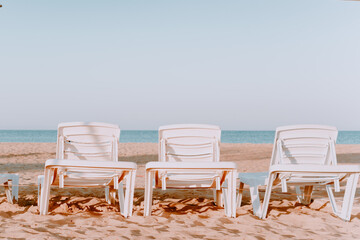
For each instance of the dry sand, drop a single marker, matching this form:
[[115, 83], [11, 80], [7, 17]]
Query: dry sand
[[184, 214]]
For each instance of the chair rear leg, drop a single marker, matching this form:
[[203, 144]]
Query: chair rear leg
[[239, 197], [307, 194], [8, 192], [304, 197], [107, 194], [218, 197], [112, 195], [40, 183], [15, 188]]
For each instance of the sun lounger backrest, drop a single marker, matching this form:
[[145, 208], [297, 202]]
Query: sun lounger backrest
[[88, 141], [305, 144], [189, 142]]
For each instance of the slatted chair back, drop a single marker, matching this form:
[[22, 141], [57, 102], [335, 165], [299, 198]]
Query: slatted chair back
[[189, 142], [305, 144], [88, 141]]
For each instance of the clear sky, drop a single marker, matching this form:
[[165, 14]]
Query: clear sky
[[243, 65]]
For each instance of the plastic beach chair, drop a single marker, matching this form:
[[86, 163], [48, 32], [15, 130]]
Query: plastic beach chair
[[303, 155], [189, 158], [12, 193], [87, 156]]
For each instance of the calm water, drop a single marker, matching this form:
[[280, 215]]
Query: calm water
[[345, 137]]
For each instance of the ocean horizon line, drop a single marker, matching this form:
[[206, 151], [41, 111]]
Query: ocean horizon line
[[227, 136]]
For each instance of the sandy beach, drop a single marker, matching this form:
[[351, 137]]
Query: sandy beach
[[184, 214]]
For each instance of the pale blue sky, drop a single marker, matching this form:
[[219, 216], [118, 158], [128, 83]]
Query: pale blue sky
[[246, 65]]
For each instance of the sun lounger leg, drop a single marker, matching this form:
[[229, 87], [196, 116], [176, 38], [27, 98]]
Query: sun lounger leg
[[218, 197], [45, 193], [299, 194], [332, 199], [107, 194], [255, 200], [349, 195], [267, 196], [15, 187], [127, 194], [225, 194], [229, 189], [233, 192], [230, 210], [151, 181], [121, 198], [214, 195], [239, 197], [112, 195], [148, 193], [132, 188], [40, 183], [227, 205], [307, 194], [8, 192]]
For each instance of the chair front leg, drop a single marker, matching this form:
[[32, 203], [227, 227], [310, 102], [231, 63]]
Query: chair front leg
[[233, 193], [121, 198], [349, 196], [132, 192], [230, 206], [255, 200], [332, 200], [45, 193], [148, 192], [15, 187], [348, 199], [8, 192], [127, 194], [267, 195]]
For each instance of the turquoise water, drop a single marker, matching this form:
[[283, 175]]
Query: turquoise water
[[345, 137]]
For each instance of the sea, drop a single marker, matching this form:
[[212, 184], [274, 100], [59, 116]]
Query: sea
[[344, 137]]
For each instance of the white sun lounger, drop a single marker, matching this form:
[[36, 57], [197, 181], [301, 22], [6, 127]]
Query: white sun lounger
[[12, 194], [87, 156], [303, 155], [189, 158]]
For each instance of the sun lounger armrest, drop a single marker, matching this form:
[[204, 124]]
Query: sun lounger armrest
[[191, 165], [51, 163], [305, 168]]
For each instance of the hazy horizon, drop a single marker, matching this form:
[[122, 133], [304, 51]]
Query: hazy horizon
[[242, 65]]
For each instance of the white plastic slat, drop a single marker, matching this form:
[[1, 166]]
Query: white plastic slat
[[198, 158], [87, 148], [189, 150]]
